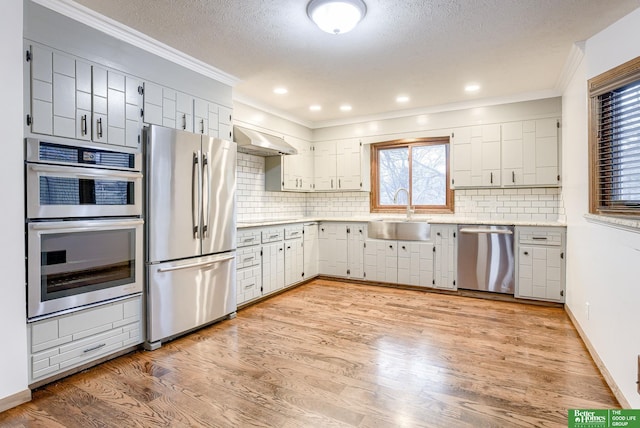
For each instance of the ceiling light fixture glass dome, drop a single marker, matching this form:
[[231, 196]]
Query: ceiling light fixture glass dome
[[336, 16]]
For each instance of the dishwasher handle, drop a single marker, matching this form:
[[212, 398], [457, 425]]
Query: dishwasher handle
[[477, 230]]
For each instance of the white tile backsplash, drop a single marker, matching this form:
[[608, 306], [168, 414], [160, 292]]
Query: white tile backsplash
[[256, 204]]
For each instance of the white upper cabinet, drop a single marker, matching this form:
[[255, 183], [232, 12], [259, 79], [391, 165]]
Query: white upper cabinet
[[521, 153], [476, 156], [341, 166], [530, 153], [291, 172], [74, 99]]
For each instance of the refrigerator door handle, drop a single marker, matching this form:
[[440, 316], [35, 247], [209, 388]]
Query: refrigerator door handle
[[219, 259], [195, 195], [207, 194]]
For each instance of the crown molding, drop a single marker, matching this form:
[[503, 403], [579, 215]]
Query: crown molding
[[133, 37], [571, 64], [251, 102]]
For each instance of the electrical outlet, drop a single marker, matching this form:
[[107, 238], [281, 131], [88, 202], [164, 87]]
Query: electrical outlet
[[587, 309]]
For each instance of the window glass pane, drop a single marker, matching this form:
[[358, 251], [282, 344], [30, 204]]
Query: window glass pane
[[625, 136], [393, 170], [429, 175]]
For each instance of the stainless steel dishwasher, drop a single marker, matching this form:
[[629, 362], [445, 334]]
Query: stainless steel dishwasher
[[485, 258]]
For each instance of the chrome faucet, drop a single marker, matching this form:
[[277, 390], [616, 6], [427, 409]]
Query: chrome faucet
[[395, 201]]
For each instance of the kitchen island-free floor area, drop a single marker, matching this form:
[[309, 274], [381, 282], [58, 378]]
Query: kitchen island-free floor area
[[332, 354]]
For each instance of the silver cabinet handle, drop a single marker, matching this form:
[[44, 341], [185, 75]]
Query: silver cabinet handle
[[513, 176], [220, 259], [195, 196], [94, 348], [99, 127], [247, 287], [248, 239], [247, 259], [83, 125], [207, 214], [539, 238], [480, 230], [491, 177], [332, 183], [88, 173], [184, 121], [202, 126], [339, 183]]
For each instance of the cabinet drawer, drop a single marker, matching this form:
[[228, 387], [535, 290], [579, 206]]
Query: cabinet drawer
[[246, 257], [249, 284], [540, 237], [272, 234], [292, 232], [248, 237], [71, 340]]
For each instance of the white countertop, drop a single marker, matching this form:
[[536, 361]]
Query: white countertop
[[433, 219]]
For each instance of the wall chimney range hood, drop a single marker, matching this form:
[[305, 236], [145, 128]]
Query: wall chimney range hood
[[261, 144]]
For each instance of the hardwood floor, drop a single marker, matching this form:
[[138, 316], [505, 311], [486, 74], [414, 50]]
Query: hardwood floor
[[331, 354]]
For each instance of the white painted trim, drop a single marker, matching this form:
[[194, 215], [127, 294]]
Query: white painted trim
[[570, 66], [14, 400], [126, 34], [617, 392]]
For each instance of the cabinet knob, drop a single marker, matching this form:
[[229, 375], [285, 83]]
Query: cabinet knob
[[404, 248], [526, 253], [391, 246]]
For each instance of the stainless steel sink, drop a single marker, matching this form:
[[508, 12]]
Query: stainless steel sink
[[399, 230]]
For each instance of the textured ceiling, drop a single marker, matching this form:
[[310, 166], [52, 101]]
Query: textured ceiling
[[426, 49]]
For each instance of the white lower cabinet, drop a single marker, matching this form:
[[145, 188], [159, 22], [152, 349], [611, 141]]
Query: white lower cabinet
[[415, 263], [444, 273], [293, 254], [311, 250], [273, 269], [540, 263], [341, 249], [399, 262], [62, 343], [249, 266]]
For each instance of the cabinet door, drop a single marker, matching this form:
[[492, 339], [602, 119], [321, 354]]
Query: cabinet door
[[213, 120], [462, 157], [248, 284], [83, 100], [273, 267], [356, 237], [293, 261], [41, 90], [348, 162], [325, 166], [64, 96], [153, 103], [99, 91], [415, 263], [133, 116], [381, 260], [490, 156], [333, 247], [445, 256], [546, 156], [311, 250], [540, 273], [184, 112], [116, 108], [513, 154], [201, 116]]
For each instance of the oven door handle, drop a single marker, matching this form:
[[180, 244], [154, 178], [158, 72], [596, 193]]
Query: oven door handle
[[85, 173], [84, 225], [219, 259]]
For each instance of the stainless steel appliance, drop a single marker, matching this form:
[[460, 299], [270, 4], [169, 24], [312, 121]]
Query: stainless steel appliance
[[191, 231], [485, 258], [67, 180], [84, 227]]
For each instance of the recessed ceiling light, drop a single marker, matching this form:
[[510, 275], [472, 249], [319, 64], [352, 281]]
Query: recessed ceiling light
[[315, 107], [345, 107], [472, 87], [402, 99], [280, 90]]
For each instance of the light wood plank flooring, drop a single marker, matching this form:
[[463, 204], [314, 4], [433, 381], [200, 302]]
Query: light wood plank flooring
[[331, 354]]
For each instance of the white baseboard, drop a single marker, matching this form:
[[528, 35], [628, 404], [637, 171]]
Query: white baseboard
[[14, 400], [596, 358]]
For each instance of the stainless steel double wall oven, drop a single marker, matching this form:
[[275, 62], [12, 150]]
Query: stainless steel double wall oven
[[84, 225]]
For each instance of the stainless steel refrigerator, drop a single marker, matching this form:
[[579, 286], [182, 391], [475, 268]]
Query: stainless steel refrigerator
[[190, 231]]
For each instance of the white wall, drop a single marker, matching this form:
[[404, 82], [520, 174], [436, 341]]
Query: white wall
[[602, 262], [13, 358]]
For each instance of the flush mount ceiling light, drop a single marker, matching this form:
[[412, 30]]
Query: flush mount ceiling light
[[336, 16], [280, 90], [472, 87]]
